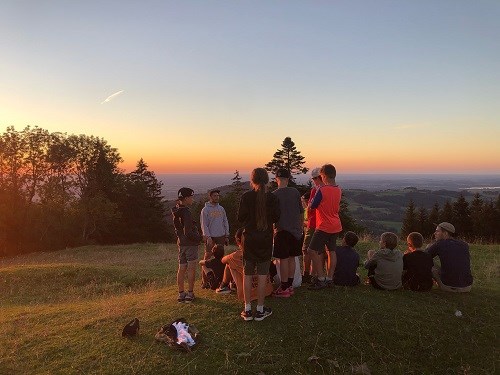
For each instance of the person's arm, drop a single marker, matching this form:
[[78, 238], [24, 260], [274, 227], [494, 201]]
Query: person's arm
[[275, 208], [316, 200], [432, 249], [226, 226], [243, 212], [372, 260], [204, 224]]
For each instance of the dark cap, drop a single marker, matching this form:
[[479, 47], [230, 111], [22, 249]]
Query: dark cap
[[282, 172], [185, 192]]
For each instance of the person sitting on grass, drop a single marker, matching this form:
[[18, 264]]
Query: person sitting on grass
[[347, 262], [454, 275], [385, 266], [213, 268], [234, 272], [417, 265]]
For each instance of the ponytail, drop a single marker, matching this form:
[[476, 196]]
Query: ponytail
[[259, 179]]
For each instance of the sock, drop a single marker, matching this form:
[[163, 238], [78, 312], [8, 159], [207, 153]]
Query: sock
[[290, 281], [260, 308], [328, 278], [305, 273], [248, 307]]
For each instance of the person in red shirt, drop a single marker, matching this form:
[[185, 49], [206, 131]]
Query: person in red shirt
[[326, 202]]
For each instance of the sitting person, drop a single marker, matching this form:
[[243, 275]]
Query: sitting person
[[417, 265], [454, 275], [213, 268], [385, 265], [347, 262], [234, 263]]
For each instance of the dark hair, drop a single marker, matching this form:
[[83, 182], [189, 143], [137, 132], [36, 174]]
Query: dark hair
[[329, 171], [351, 239], [390, 239], [238, 235], [259, 180], [218, 251], [416, 240]]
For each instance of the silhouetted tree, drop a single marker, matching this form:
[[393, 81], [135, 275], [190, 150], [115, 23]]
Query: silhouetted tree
[[447, 213], [423, 222], [410, 221], [461, 216], [287, 157]]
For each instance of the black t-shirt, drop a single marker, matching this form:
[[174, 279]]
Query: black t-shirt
[[417, 273], [218, 267]]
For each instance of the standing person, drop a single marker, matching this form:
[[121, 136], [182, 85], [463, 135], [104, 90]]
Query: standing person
[[417, 265], [310, 225], [288, 231], [188, 239], [454, 275], [214, 224], [385, 265], [326, 201], [214, 227], [257, 212]]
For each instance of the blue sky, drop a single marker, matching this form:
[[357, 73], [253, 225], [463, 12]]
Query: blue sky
[[214, 86]]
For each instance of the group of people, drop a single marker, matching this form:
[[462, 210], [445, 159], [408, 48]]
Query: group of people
[[273, 226]]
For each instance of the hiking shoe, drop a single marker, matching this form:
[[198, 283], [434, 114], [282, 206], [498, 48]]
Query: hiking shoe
[[247, 315], [224, 289], [189, 297], [282, 293], [318, 285], [264, 314], [182, 297], [329, 283]]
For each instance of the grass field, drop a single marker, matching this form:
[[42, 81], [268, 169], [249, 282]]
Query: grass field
[[63, 312]]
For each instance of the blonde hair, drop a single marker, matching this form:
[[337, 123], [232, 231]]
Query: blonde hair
[[259, 180]]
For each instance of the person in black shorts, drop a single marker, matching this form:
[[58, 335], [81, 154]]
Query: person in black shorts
[[288, 231]]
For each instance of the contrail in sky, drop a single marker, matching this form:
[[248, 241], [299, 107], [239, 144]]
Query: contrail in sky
[[112, 96]]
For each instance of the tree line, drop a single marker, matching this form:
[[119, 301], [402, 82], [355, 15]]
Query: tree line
[[59, 190], [477, 221]]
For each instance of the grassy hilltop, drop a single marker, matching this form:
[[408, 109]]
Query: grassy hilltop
[[62, 313]]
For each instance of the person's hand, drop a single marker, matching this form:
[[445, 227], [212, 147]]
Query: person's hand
[[226, 241]]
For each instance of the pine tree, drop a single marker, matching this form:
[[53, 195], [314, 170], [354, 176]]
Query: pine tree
[[433, 219], [461, 216], [477, 216], [287, 157], [447, 213], [410, 222], [348, 222], [423, 222], [237, 184]]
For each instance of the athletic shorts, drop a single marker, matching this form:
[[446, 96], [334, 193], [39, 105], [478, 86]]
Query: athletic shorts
[[250, 266], [286, 245], [307, 240], [188, 254], [321, 239]]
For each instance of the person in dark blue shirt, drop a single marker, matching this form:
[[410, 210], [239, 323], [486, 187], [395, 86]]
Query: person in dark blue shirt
[[454, 275], [347, 262]]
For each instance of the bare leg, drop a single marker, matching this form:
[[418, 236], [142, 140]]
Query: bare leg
[[318, 262], [226, 277], [291, 267], [191, 272], [332, 263], [284, 270], [247, 288], [181, 273], [306, 259], [261, 289]]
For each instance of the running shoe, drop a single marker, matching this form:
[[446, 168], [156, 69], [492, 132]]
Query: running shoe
[[182, 297], [189, 297], [247, 315], [264, 314], [223, 289], [282, 293]]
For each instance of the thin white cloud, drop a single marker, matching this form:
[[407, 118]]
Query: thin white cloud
[[112, 96]]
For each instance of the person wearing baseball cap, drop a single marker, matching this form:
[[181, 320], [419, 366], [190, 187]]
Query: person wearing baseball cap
[[454, 275], [188, 239]]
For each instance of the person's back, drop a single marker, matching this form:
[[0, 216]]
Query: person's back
[[386, 264], [347, 264], [455, 261], [347, 261], [417, 268]]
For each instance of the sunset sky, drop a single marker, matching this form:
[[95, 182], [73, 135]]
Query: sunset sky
[[215, 86]]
